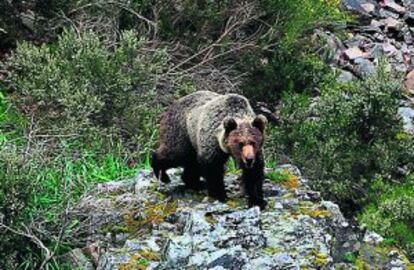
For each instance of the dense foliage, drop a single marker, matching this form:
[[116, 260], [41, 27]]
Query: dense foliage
[[78, 84], [350, 142], [348, 136], [392, 212]]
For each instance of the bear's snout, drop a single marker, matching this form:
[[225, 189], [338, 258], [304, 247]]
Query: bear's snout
[[248, 156]]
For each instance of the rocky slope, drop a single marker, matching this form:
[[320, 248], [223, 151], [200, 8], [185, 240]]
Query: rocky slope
[[382, 28], [140, 224]]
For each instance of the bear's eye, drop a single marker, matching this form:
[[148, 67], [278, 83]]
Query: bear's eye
[[241, 145]]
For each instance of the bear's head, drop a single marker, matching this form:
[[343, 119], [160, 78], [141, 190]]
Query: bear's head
[[244, 139]]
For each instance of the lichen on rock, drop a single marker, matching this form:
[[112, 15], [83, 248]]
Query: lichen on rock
[[142, 224]]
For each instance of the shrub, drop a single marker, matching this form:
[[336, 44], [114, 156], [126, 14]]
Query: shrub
[[392, 213], [79, 112], [348, 137], [79, 84], [288, 60]]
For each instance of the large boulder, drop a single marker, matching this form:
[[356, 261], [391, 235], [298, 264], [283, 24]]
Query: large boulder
[[141, 224]]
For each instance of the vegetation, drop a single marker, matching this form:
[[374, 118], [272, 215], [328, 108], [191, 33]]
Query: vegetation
[[349, 141], [391, 213], [85, 84]]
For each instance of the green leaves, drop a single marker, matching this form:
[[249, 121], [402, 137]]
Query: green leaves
[[392, 214], [347, 137]]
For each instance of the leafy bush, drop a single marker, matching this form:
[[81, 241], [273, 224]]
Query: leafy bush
[[392, 213], [348, 137], [78, 83], [288, 60], [78, 113]]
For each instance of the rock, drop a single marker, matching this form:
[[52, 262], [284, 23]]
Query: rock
[[354, 6], [364, 67], [335, 212], [376, 51], [388, 14], [77, 259], [408, 38], [177, 251], [166, 227], [373, 238], [409, 19], [353, 53], [112, 261], [280, 261], [409, 82], [28, 20], [407, 115], [345, 76], [392, 24], [377, 24], [143, 181], [390, 4], [368, 7], [389, 49]]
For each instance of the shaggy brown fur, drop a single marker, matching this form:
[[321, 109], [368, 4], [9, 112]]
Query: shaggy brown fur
[[200, 131]]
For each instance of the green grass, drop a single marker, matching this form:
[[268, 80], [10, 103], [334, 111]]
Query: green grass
[[232, 166], [40, 185], [77, 176], [278, 176]]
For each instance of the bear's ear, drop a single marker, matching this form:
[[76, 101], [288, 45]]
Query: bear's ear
[[229, 124], [260, 122]]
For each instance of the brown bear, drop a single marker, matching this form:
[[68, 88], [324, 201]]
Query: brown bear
[[200, 131]]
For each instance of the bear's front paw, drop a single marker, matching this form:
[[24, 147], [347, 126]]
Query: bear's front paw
[[196, 186], [258, 202], [165, 178], [221, 197]]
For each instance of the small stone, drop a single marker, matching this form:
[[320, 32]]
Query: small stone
[[409, 82], [142, 182], [373, 238], [345, 224], [407, 115], [364, 66], [393, 254], [376, 23], [133, 245], [379, 37], [120, 238], [376, 51], [178, 250], [28, 19], [368, 7], [390, 4], [389, 49], [353, 6], [334, 210], [384, 13], [314, 195], [353, 53], [391, 23], [278, 205], [408, 38], [345, 76]]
